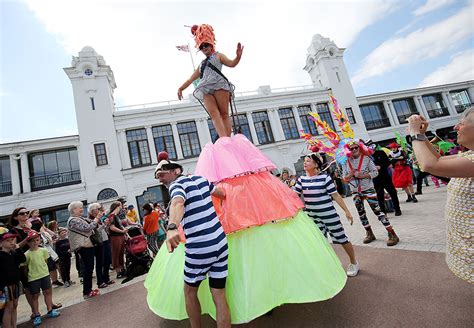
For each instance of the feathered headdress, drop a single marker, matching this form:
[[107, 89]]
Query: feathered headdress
[[203, 34], [339, 148]]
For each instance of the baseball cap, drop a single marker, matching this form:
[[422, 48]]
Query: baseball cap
[[6, 234]]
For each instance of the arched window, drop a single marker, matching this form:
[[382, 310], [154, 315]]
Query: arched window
[[107, 193]]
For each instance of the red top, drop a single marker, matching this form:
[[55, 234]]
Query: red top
[[151, 223]]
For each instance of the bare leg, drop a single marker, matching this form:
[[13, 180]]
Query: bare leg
[[410, 188], [407, 191], [29, 299], [34, 304], [222, 98], [222, 309], [193, 307], [8, 315], [14, 313], [48, 298], [211, 106], [350, 252], [53, 275]]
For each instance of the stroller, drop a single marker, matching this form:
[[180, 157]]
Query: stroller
[[137, 257]]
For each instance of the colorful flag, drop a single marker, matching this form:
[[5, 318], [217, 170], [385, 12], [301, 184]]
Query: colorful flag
[[184, 48]]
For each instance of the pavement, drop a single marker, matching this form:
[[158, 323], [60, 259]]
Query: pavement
[[405, 285]]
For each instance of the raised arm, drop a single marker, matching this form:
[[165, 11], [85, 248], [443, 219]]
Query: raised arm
[[429, 161], [186, 84], [232, 63]]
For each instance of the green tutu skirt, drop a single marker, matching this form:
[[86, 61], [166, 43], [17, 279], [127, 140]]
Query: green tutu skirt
[[282, 262]]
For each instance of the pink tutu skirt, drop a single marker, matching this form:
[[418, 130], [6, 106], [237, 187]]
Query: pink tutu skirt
[[231, 157], [253, 200]]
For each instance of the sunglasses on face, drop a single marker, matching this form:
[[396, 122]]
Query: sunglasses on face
[[354, 148], [204, 46], [23, 213]]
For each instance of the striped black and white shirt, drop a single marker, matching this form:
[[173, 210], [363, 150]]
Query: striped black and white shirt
[[317, 192], [202, 228]]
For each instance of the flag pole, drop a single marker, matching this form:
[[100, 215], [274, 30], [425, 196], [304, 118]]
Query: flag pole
[[192, 60]]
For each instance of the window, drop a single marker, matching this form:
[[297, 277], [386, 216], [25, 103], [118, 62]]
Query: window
[[5, 177], [100, 154], [288, 123], [404, 109], [435, 105], [244, 125], [308, 125], [350, 115], [92, 103], [164, 140], [374, 116], [189, 139], [54, 168], [212, 130], [461, 100], [107, 193], [138, 147], [325, 114], [263, 127]]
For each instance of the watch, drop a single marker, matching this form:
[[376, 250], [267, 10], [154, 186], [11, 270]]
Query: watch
[[172, 226], [418, 137]]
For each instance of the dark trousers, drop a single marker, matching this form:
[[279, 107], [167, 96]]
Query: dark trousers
[[380, 186], [107, 260], [65, 266], [79, 265], [99, 263], [87, 257], [421, 175]]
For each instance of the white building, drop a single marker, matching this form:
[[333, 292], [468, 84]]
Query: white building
[[115, 153]]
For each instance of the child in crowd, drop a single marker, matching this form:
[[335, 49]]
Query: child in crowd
[[10, 257], [38, 277], [132, 215], [318, 192], [64, 253]]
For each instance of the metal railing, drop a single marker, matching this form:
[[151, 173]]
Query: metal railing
[[55, 180], [403, 118], [5, 188], [377, 124], [438, 112], [462, 108]]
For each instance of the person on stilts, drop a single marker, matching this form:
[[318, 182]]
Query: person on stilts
[[213, 91]]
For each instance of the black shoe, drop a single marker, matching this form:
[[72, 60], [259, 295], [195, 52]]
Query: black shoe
[[409, 199], [418, 193], [57, 283], [398, 213], [414, 199]]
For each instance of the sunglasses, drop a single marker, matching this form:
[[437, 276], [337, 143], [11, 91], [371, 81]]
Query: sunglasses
[[353, 148], [204, 46], [23, 213]]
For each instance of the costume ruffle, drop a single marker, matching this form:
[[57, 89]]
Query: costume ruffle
[[402, 176], [283, 262], [253, 200], [230, 157]]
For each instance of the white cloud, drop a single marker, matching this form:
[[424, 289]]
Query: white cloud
[[424, 43], [461, 68], [432, 5], [138, 39]]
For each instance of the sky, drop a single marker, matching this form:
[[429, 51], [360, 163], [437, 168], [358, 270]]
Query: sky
[[390, 45]]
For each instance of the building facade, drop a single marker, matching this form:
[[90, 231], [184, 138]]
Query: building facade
[[116, 150]]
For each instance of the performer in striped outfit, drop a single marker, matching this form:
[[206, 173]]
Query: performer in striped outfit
[[318, 192], [358, 173], [206, 248]]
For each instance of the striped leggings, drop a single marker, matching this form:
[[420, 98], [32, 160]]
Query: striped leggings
[[370, 196], [333, 226]]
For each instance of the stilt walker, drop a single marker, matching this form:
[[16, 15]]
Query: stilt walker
[[275, 255]]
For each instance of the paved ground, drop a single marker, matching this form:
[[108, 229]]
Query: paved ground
[[396, 287]]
